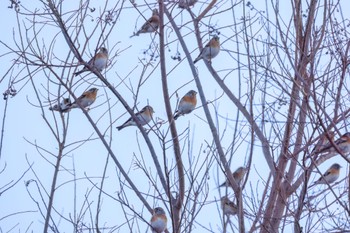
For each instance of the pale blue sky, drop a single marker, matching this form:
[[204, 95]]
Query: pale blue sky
[[24, 122]]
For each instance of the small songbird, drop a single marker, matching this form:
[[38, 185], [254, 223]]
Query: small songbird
[[187, 103], [86, 99], [158, 220], [143, 117], [228, 207], [343, 144], [64, 106], [151, 24], [186, 3], [330, 175], [210, 50], [99, 61], [237, 175], [323, 141]]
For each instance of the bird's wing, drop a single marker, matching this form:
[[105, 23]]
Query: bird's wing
[[328, 172], [81, 97]]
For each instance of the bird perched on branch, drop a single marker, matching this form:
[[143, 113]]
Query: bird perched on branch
[[98, 62], [158, 220], [237, 175], [187, 103], [151, 25], [64, 106], [143, 117], [86, 99], [210, 50], [331, 175], [228, 207], [343, 144]]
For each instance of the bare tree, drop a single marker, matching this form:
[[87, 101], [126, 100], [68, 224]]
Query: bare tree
[[269, 103]]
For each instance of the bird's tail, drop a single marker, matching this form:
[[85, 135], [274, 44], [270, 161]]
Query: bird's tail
[[80, 71], [197, 59], [319, 181], [221, 185], [135, 34], [120, 127], [77, 73], [324, 148], [54, 108], [176, 115]]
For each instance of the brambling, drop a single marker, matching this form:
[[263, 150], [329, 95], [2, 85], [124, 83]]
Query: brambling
[[151, 24], [228, 207], [186, 3], [64, 106], [86, 99], [237, 175], [330, 175], [99, 61], [343, 144], [158, 220], [143, 117], [187, 103], [210, 50], [323, 141]]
